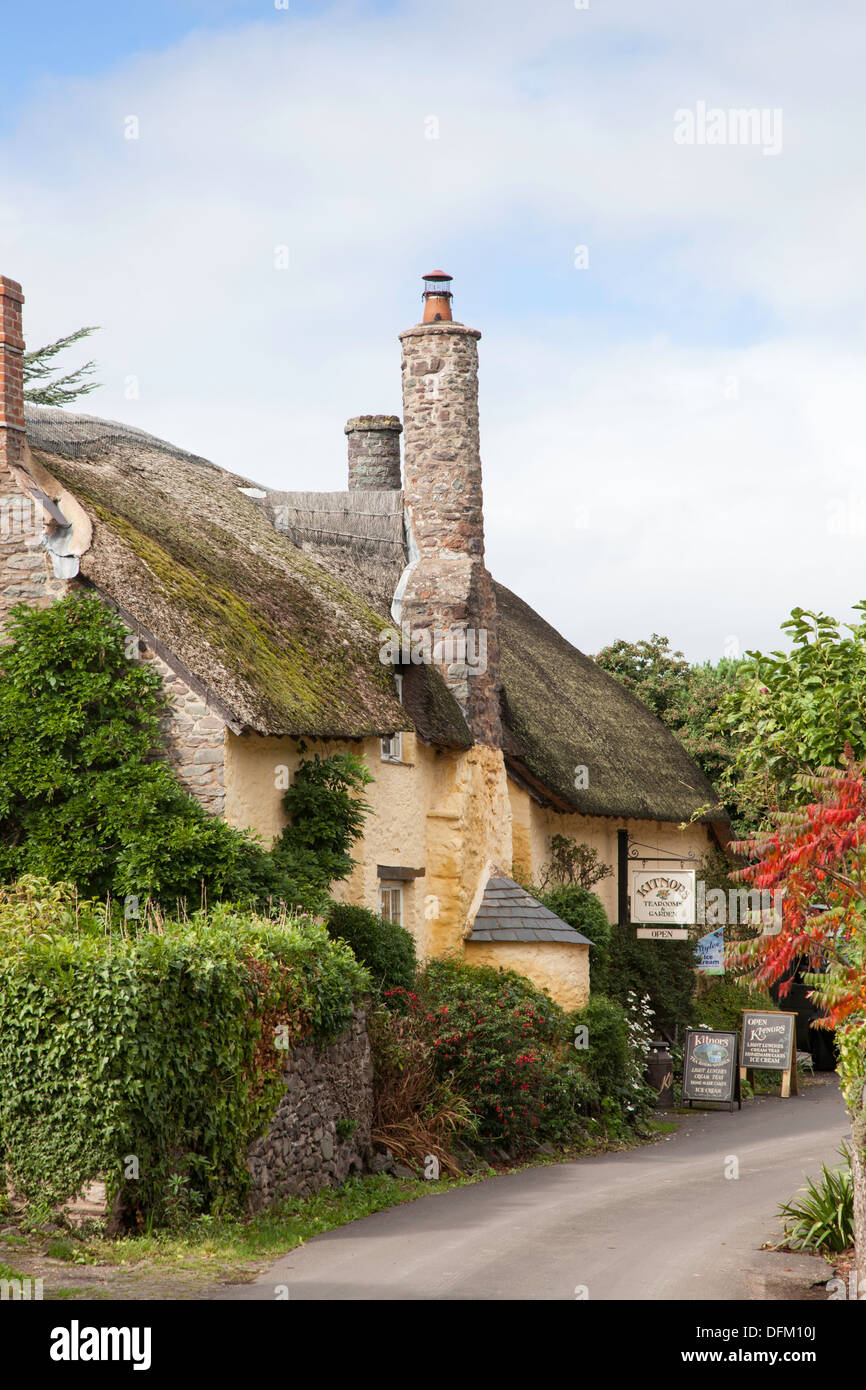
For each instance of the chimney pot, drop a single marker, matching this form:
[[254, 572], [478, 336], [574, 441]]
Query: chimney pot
[[437, 297]]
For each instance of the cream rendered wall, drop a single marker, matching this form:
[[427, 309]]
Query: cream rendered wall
[[456, 815], [446, 812], [534, 825], [560, 969]]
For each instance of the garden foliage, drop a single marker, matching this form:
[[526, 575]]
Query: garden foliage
[[87, 796], [386, 949], [152, 1058]]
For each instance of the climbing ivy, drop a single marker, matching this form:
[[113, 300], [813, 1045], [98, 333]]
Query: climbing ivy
[[87, 795]]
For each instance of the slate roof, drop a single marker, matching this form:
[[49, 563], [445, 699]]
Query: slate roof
[[509, 913]]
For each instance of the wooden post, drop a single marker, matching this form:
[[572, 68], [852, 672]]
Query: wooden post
[[622, 877]]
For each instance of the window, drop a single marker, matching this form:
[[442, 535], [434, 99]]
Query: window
[[391, 903], [392, 749]]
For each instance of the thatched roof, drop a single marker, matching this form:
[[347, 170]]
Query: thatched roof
[[509, 913], [276, 602], [358, 533], [281, 645], [561, 712]]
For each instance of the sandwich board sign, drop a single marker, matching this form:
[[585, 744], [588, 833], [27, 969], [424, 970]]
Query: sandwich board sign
[[663, 903], [769, 1043], [710, 1071]]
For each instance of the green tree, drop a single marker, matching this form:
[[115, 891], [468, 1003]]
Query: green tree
[[795, 711], [50, 389], [687, 699]]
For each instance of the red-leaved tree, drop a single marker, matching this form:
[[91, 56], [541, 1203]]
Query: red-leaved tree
[[817, 856]]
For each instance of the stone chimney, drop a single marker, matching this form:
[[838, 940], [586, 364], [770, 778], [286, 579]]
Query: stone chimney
[[447, 590], [374, 452], [11, 375]]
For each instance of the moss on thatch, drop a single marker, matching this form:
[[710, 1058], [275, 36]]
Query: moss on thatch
[[281, 643]]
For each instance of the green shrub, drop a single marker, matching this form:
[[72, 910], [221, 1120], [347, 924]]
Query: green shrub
[[387, 950], [662, 970], [582, 910], [326, 816], [152, 1059], [721, 1001], [87, 796], [823, 1219], [606, 1055], [615, 1056], [504, 1045]]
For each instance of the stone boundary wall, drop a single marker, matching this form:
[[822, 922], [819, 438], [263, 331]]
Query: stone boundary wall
[[303, 1151]]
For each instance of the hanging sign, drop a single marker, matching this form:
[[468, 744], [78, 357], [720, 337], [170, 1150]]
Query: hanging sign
[[710, 953], [663, 898], [710, 1069]]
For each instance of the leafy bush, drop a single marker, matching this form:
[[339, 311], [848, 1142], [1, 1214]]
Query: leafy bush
[[327, 816], [582, 910], [387, 950], [86, 793], [822, 1220], [605, 1057], [152, 1059], [573, 863], [504, 1045], [664, 971], [416, 1113], [616, 1055]]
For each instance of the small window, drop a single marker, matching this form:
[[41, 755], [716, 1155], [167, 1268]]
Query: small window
[[391, 904], [392, 749], [398, 681]]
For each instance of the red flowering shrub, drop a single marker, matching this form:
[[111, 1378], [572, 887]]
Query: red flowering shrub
[[504, 1044]]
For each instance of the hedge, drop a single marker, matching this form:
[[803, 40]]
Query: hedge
[[387, 950], [156, 1052]]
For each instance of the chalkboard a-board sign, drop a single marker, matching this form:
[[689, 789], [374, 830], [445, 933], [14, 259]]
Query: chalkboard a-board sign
[[769, 1043], [710, 1070]]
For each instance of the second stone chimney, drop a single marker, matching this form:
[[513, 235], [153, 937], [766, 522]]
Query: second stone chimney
[[374, 452]]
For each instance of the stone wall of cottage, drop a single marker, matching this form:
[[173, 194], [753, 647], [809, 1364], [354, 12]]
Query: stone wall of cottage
[[320, 1133], [194, 737], [26, 575]]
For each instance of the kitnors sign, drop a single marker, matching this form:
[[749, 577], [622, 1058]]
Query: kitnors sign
[[661, 899]]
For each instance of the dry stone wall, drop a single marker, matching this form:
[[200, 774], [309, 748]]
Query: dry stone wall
[[320, 1133]]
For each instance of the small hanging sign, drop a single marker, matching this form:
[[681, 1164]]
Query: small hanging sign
[[710, 953]]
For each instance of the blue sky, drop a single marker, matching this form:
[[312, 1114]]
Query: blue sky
[[671, 434]]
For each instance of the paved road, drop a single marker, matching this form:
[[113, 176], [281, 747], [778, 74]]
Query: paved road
[[657, 1222]]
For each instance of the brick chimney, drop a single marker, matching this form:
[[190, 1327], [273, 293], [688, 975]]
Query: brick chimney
[[11, 375], [447, 588], [374, 452]]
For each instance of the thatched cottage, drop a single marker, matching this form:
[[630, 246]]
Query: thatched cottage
[[363, 619]]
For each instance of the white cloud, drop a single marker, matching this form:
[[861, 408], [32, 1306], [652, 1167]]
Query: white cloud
[[707, 513]]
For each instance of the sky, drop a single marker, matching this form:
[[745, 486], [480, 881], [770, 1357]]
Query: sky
[[244, 195]]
